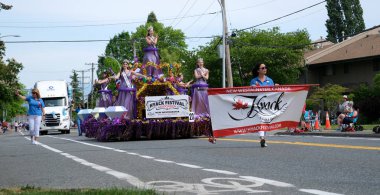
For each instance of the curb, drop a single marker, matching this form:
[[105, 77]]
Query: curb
[[332, 134]]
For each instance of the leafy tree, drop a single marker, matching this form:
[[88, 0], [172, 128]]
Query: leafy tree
[[9, 83], [367, 98], [345, 16], [331, 95], [171, 42], [151, 18], [353, 14], [282, 52], [5, 7], [120, 47]]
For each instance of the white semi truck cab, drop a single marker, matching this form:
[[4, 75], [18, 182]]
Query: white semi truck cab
[[55, 95]]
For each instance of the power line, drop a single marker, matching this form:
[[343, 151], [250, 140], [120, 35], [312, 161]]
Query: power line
[[212, 3], [85, 41], [179, 13], [105, 24], [184, 15], [281, 17], [199, 32], [252, 6], [293, 19]]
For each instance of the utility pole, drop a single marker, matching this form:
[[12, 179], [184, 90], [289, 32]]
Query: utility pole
[[83, 77], [226, 47], [92, 78]]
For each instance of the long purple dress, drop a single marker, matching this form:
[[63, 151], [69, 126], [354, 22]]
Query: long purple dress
[[199, 103], [151, 55], [127, 94], [105, 98]]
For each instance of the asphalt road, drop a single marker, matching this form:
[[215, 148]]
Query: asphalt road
[[234, 165]]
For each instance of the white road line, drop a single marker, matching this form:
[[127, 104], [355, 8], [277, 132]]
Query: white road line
[[220, 171], [120, 175], [164, 161], [135, 181], [318, 192], [117, 150], [268, 181], [147, 157], [189, 165]]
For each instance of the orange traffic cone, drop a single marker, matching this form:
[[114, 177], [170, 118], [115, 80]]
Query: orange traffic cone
[[328, 126], [316, 125]]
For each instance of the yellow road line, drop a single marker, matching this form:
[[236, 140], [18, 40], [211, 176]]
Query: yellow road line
[[305, 144]]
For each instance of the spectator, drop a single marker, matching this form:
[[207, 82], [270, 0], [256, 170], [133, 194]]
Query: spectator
[[4, 126], [79, 107], [36, 113], [15, 125]]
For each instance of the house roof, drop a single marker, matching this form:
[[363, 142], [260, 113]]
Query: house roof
[[365, 44]]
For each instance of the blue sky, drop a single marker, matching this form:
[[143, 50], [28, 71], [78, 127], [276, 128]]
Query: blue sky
[[42, 20]]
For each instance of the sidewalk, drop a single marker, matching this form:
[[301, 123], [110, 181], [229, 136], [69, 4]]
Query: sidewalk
[[333, 133]]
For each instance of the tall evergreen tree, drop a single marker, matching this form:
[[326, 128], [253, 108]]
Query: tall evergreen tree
[[152, 18], [345, 19], [77, 93], [353, 14], [335, 24]]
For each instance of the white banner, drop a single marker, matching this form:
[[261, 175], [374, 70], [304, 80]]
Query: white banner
[[167, 106], [251, 109]]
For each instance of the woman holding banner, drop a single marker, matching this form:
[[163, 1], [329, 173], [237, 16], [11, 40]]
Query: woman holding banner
[[260, 71]]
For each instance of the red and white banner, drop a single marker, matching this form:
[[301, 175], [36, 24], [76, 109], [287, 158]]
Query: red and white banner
[[243, 110]]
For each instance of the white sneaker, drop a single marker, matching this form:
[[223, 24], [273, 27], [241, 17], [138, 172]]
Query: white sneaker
[[33, 142]]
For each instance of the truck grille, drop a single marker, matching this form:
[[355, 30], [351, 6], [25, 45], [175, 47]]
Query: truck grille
[[50, 121]]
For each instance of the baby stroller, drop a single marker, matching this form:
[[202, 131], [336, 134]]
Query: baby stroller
[[308, 121], [350, 126]]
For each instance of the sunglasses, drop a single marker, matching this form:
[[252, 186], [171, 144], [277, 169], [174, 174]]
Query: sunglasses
[[263, 68], [34, 93]]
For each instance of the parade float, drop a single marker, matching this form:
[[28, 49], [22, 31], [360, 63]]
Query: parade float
[[162, 110], [151, 101]]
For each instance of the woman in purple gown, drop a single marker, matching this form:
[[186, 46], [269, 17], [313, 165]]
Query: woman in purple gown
[[200, 104], [151, 55], [127, 89], [105, 98]]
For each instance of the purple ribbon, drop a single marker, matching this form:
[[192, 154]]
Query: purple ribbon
[[197, 86], [105, 91], [127, 89], [148, 49]]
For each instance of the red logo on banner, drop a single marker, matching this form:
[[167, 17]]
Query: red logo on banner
[[240, 105]]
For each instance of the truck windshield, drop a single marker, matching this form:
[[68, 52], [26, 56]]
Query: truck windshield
[[57, 101]]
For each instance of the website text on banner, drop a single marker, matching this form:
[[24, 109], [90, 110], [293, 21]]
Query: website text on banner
[[243, 110]]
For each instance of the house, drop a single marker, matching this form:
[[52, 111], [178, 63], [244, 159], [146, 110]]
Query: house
[[352, 62]]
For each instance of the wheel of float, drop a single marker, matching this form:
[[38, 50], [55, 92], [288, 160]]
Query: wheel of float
[[360, 128], [376, 129], [43, 132]]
